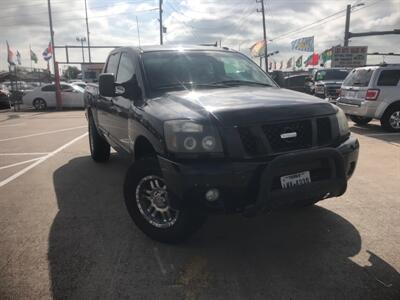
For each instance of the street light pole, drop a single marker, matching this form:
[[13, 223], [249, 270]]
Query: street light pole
[[160, 3], [56, 75], [347, 25], [87, 32], [264, 33], [82, 39]]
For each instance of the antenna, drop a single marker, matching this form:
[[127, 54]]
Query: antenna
[[138, 32]]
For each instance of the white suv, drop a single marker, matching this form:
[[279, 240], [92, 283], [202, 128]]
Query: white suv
[[373, 93]]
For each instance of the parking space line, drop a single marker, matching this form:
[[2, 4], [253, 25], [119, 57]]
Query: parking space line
[[12, 125], [19, 163], [382, 134], [25, 153], [40, 160], [41, 133]]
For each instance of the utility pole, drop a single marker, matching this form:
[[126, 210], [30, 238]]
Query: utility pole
[[264, 33], [82, 39], [56, 75], [87, 32], [160, 3], [138, 30], [347, 26]]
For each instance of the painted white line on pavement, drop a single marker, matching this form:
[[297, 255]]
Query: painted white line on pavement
[[41, 133], [40, 160], [25, 153], [20, 163], [12, 125], [160, 264], [382, 134]]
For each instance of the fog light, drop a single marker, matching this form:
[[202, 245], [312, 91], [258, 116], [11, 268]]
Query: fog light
[[212, 195]]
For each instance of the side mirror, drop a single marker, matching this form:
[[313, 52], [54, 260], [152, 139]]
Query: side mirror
[[107, 85]]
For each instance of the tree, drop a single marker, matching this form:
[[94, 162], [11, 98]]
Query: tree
[[71, 72]]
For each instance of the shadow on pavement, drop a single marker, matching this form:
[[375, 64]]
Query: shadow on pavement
[[95, 250]]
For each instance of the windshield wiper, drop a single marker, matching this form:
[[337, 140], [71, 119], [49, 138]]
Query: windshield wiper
[[239, 82]]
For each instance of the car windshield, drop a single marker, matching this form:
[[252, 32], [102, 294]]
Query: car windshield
[[358, 77], [174, 70], [331, 75]]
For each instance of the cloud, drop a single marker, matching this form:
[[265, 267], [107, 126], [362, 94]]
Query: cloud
[[235, 22]]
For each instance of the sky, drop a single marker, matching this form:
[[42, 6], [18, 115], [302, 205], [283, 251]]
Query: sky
[[236, 23]]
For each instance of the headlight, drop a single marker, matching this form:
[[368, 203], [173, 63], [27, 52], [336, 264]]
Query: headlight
[[342, 122], [190, 137], [319, 89]]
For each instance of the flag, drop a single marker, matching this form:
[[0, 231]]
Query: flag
[[312, 60], [258, 49], [47, 53], [33, 56], [280, 67], [270, 65], [274, 65], [10, 55], [305, 44], [326, 55], [299, 61], [289, 63], [18, 57]]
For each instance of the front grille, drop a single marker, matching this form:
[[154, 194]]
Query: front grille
[[324, 131], [303, 130], [332, 91], [274, 142], [250, 141]]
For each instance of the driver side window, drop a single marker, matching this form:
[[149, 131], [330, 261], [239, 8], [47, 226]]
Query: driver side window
[[126, 69]]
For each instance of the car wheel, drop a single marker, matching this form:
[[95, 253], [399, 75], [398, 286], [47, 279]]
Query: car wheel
[[149, 204], [99, 148], [391, 119], [360, 120], [39, 104]]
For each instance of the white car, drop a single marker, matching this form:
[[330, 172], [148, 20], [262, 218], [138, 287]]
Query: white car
[[44, 96], [373, 92], [79, 83]]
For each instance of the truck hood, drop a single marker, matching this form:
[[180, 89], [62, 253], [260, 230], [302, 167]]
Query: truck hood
[[242, 105]]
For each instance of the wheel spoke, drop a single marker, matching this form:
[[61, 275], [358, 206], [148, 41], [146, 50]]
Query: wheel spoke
[[157, 183], [152, 185]]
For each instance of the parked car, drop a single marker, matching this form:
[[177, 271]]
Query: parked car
[[4, 97], [327, 82], [208, 130], [80, 84], [43, 97], [295, 82], [373, 92]]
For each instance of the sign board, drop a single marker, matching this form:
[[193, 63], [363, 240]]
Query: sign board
[[91, 71], [349, 57]]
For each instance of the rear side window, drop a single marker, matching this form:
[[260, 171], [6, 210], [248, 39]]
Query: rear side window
[[125, 69], [112, 64], [296, 81], [358, 77], [389, 78], [49, 88]]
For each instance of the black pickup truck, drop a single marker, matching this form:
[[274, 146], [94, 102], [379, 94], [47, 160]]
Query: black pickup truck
[[207, 130]]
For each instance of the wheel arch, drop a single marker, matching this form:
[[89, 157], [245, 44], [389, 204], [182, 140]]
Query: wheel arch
[[382, 109], [143, 148]]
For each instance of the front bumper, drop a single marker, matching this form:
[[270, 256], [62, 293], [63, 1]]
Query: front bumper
[[251, 187]]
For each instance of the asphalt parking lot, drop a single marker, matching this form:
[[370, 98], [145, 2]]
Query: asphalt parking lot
[[65, 232]]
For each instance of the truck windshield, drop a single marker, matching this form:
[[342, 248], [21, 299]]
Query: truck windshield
[[175, 70], [358, 77], [331, 75]]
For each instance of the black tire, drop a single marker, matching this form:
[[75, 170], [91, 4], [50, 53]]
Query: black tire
[[39, 104], [188, 218], [360, 120], [387, 122], [99, 148]]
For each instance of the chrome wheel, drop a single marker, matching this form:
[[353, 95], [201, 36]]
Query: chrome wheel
[[39, 104], [394, 120], [152, 201]]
